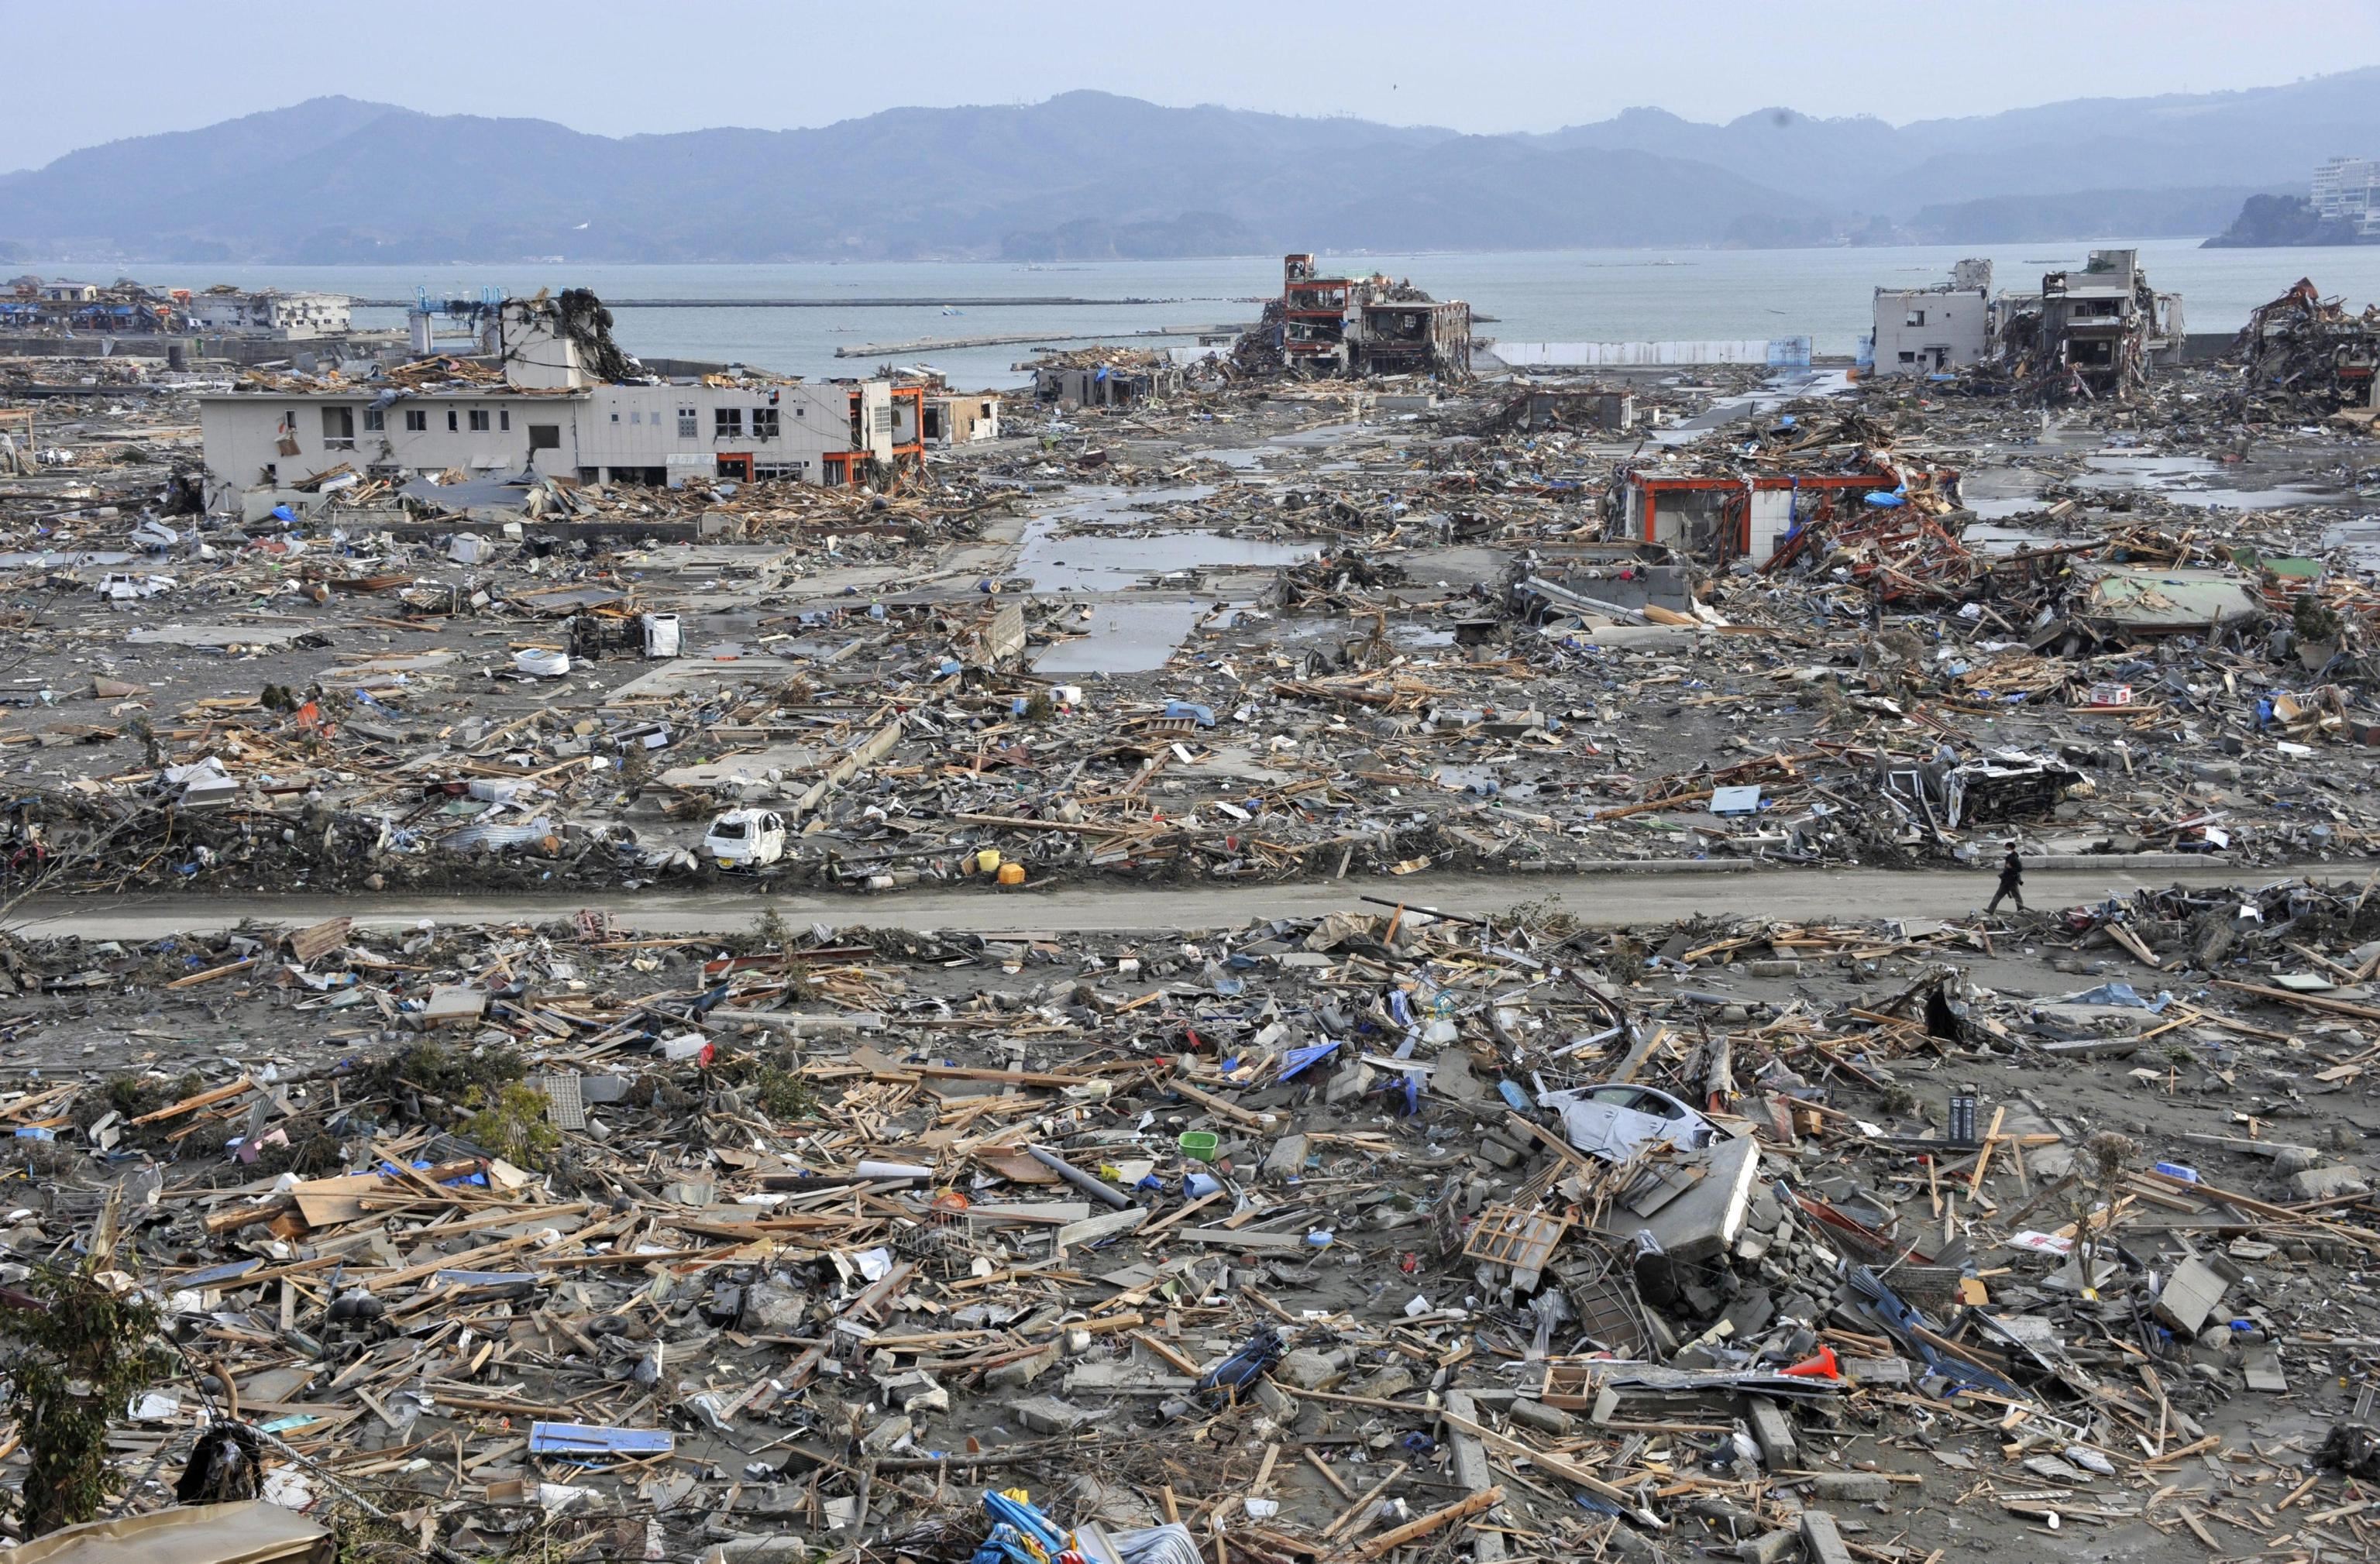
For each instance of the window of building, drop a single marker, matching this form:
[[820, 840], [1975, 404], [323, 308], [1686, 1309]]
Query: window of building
[[451, 425], [339, 428], [687, 428], [416, 421], [479, 420], [800, 411], [1916, 318], [545, 437], [1909, 358], [727, 423], [764, 423], [765, 470], [374, 420], [504, 418], [615, 418]]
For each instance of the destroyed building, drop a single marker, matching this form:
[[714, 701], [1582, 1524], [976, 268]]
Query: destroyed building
[[1366, 326], [2090, 333], [121, 309], [2303, 345], [2093, 334], [542, 408], [134, 308], [953, 419], [1105, 377], [1947, 326], [289, 316], [1717, 517]]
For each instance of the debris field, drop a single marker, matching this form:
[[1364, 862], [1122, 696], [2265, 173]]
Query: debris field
[[1392, 1233]]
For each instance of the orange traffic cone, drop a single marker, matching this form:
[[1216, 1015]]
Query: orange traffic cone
[[1822, 1366]]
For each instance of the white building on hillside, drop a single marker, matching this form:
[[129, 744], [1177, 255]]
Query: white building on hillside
[[2348, 189]]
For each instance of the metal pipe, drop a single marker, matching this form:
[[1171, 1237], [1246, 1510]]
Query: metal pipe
[[1089, 1183]]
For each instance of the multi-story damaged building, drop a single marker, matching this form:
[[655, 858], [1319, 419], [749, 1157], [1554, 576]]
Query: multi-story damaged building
[[1365, 325], [125, 307], [559, 400], [1947, 326], [2093, 333], [2106, 322], [122, 309], [271, 313]]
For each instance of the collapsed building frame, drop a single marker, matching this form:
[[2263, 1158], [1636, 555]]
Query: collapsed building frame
[[1368, 326]]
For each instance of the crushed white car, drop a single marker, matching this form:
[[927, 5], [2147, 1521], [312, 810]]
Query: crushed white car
[[746, 839], [1615, 1121]]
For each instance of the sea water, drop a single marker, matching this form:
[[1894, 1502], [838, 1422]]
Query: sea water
[[1535, 296]]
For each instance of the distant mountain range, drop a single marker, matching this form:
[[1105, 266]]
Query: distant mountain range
[[1088, 174]]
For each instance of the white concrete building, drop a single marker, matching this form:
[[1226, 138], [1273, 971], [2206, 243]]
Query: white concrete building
[[1919, 331], [548, 417], [271, 313], [2348, 189]]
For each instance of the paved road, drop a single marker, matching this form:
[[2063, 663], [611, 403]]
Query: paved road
[[1600, 898]]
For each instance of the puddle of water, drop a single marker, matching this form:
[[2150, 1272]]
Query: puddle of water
[[2361, 538], [1734, 409], [1986, 539], [2183, 480], [1420, 636], [1094, 564], [1994, 492], [1126, 638], [1325, 434], [1112, 504]]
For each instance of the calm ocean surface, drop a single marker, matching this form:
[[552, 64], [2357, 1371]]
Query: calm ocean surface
[[1560, 295]]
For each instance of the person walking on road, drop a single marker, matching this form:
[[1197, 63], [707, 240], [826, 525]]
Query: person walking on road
[[2011, 881]]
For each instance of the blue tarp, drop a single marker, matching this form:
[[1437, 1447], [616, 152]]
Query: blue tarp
[[586, 1438], [1295, 1062], [2118, 994], [1021, 1533]]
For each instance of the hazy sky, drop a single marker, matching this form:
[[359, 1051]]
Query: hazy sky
[[621, 67]]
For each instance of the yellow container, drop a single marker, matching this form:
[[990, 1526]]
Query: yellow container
[[987, 861], [1012, 874]]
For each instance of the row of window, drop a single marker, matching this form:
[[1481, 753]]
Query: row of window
[[339, 423], [795, 472], [339, 426], [727, 423]]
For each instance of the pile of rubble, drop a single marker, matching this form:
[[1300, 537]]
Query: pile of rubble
[[1388, 1228], [2304, 350]]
